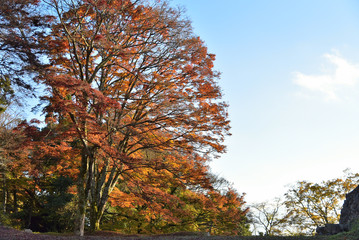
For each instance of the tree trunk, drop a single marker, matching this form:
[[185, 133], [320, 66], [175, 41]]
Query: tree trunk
[[139, 228], [83, 189], [81, 216], [80, 223], [15, 200], [95, 217], [97, 208], [4, 193]]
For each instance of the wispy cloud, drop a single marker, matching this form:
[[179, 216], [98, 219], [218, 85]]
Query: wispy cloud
[[341, 74]]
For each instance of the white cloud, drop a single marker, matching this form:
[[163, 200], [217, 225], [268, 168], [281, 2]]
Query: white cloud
[[340, 75]]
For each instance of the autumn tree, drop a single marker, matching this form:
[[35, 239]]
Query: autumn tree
[[14, 160], [127, 77], [10, 141], [224, 214], [221, 211], [311, 205], [13, 156], [35, 189], [21, 30]]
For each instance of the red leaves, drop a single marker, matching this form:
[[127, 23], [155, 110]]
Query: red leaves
[[57, 46]]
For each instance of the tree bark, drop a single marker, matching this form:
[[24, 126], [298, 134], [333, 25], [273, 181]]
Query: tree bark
[[95, 217], [80, 220], [100, 193], [83, 194], [4, 193], [15, 200]]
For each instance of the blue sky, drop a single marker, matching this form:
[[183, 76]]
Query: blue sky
[[290, 73]]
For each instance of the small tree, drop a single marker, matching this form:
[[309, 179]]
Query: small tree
[[269, 216]]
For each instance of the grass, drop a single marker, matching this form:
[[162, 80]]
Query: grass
[[353, 234]]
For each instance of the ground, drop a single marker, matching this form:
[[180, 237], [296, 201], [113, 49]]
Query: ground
[[7, 233]]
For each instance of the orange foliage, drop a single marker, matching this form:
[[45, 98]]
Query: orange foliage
[[135, 104]]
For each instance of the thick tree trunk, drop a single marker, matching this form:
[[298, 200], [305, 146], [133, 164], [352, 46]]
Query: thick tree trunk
[[81, 216], [83, 188]]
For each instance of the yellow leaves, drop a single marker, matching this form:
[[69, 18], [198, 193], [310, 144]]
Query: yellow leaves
[[318, 203]]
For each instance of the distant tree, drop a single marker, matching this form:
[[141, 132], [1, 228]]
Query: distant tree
[[310, 205], [269, 216]]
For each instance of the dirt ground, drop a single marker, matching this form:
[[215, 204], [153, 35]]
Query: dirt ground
[[7, 233]]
